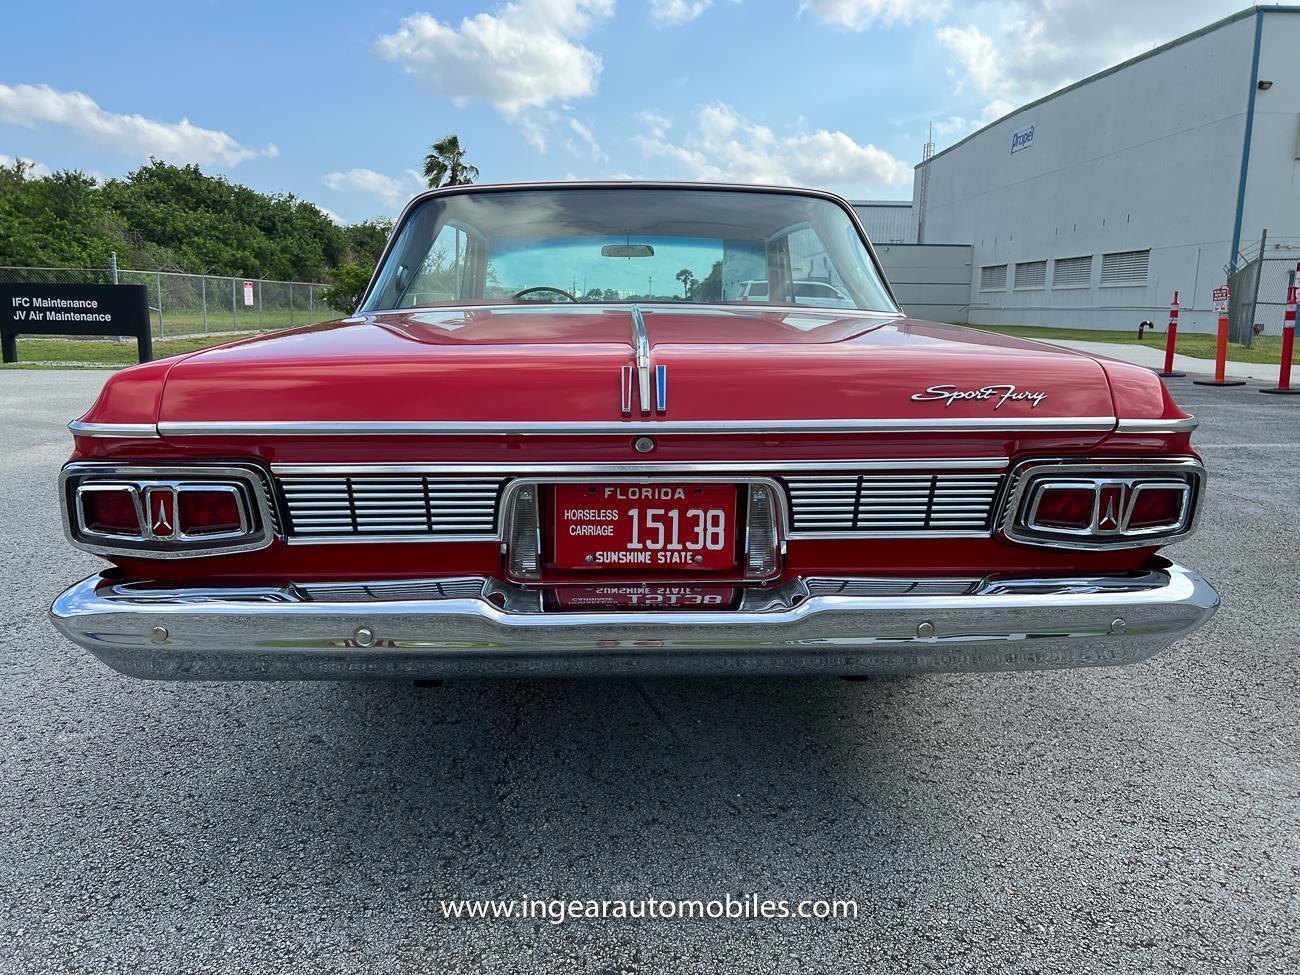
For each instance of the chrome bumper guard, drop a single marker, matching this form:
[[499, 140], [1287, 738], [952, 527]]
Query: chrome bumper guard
[[475, 627]]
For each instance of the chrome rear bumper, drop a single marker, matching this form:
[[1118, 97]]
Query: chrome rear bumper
[[481, 628]]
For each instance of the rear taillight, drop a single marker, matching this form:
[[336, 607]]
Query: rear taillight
[[165, 512], [111, 509], [1156, 506], [204, 511], [1063, 506], [1103, 505]]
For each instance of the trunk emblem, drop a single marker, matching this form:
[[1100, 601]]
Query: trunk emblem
[[627, 386], [1109, 503], [161, 513], [1006, 393], [641, 343]]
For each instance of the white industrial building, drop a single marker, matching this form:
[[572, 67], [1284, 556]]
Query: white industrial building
[[1089, 207], [886, 221]]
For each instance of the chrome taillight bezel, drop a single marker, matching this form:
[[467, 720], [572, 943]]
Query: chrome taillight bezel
[[248, 483], [1029, 479]]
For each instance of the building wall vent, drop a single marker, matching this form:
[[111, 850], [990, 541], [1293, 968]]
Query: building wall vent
[[1072, 272], [1125, 267], [1031, 275], [993, 277]]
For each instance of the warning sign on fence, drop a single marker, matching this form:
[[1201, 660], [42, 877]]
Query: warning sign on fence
[[1221, 297], [248, 294]]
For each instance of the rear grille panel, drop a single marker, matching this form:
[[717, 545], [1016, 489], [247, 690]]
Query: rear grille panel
[[888, 504], [358, 505], [370, 506]]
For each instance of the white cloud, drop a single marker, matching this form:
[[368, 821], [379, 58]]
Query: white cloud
[[389, 190], [981, 66], [524, 56], [177, 142], [671, 13], [585, 138], [1013, 51], [725, 146], [861, 14], [35, 170], [952, 125]]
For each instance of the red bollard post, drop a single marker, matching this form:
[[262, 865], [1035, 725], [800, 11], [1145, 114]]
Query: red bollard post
[[1171, 338], [1221, 298], [1288, 345]]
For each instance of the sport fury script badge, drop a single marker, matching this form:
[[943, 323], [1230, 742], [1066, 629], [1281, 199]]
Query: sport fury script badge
[[1003, 392]]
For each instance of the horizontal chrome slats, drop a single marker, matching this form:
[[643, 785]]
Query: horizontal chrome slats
[[413, 589], [835, 504], [359, 505], [378, 505], [824, 586]]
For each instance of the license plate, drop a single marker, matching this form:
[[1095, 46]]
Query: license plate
[[639, 527], [644, 597]]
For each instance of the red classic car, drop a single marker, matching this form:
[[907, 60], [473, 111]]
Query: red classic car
[[568, 432]]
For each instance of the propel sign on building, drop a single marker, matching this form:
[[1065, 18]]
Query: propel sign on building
[[1022, 139], [74, 309]]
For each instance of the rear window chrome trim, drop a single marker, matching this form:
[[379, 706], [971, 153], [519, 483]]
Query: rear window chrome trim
[[854, 217]]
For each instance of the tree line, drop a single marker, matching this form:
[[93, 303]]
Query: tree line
[[175, 218], [162, 217]]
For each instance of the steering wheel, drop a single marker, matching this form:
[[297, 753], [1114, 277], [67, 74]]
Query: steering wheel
[[545, 287]]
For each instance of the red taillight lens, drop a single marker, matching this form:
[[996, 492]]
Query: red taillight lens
[[1065, 507], [1156, 507], [110, 511], [208, 512]]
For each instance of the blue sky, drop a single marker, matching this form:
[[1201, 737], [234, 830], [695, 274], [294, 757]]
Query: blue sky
[[336, 102]]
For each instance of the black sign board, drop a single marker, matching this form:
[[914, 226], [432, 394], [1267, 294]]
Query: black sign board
[[74, 309]]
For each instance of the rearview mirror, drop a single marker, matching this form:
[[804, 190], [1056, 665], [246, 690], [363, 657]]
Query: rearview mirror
[[627, 250]]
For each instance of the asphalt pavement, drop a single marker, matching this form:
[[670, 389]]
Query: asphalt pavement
[[1136, 819]]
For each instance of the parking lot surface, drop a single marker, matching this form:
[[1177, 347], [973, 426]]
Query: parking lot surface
[[1145, 818]]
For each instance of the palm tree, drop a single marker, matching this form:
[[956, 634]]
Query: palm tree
[[445, 164], [687, 279]]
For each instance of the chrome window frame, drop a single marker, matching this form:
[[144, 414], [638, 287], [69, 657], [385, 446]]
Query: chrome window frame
[[248, 481], [1029, 478], [854, 219]]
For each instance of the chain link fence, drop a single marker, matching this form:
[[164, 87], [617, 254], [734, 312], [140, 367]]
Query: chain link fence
[[200, 304], [1259, 293]]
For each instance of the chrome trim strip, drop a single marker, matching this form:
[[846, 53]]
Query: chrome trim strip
[[661, 389], [1027, 624], [642, 342], [124, 431], [1184, 425], [754, 467], [525, 428]]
